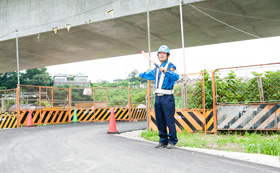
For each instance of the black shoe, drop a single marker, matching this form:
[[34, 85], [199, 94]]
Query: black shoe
[[160, 145], [170, 146]]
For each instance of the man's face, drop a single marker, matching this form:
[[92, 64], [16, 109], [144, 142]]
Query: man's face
[[162, 56]]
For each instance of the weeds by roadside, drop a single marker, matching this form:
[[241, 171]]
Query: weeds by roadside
[[247, 142]]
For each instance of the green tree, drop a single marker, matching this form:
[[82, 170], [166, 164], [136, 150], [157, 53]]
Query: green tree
[[37, 76], [9, 80], [230, 89], [137, 96], [41, 80], [271, 85]]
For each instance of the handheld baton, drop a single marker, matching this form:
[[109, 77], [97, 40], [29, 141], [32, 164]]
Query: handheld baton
[[149, 59]]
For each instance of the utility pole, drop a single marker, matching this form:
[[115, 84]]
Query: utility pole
[[149, 48], [17, 56], [182, 34]]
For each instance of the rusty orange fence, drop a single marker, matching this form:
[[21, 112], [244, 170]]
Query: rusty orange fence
[[8, 101], [51, 105], [247, 97]]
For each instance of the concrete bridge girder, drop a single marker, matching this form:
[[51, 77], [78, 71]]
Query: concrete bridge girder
[[127, 34]]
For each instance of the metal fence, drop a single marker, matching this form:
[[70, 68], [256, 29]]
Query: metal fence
[[40, 97], [29, 97], [193, 91], [51, 105], [46, 97], [248, 84], [7, 101]]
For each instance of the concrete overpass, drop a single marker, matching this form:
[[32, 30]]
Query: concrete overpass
[[126, 32]]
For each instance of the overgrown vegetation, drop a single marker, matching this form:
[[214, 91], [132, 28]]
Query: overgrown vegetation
[[115, 96], [232, 89], [255, 142]]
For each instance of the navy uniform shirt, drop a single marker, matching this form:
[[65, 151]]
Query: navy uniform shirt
[[170, 76]]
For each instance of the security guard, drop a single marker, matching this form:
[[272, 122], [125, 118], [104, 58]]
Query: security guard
[[165, 78]]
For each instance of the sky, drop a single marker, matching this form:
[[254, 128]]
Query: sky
[[250, 52]]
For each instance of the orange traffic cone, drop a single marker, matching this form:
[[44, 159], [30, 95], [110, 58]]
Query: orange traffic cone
[[112, 124], [29, 119]]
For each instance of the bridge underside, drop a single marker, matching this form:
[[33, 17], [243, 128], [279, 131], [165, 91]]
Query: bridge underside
[[128, 35]]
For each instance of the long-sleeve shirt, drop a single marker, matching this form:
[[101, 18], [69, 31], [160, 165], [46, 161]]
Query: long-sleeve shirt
[[170, 76]]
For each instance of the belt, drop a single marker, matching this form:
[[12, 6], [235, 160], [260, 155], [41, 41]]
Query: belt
[[163, 92]]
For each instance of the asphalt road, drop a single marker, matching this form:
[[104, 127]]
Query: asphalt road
[[85, 147]]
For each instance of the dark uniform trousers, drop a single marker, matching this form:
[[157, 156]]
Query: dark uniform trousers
[[165, 110]]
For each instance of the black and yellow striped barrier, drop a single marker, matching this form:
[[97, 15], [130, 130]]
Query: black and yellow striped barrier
[[24, 114], [54, 117], [191, 121], [47, 116], [152, 121], [209, 121], [248, 117], [102, 114], [8, 121], [83, 115], [121, 114], [139, 114]]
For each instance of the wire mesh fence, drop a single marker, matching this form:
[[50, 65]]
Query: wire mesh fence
[[179, 95], [248, 85], [29, 97], [46, 97], [196, 90], [7, 101], [60, 98]]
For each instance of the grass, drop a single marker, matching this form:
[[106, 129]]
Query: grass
[[255, 142]]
